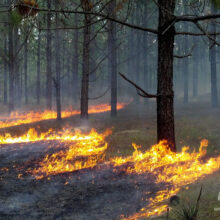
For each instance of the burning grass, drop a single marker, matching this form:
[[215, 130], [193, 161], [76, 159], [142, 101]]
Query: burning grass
[[83, 151], [177, 169], [17, 118], [168, 171]]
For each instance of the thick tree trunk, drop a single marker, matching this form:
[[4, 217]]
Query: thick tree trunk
[[38, 92], [49, 59], [112, 59], [214, 90], [85, 67], [58, 67], [75, 63], [165, 109]]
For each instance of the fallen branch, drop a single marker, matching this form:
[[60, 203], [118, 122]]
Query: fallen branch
[[140, 91]]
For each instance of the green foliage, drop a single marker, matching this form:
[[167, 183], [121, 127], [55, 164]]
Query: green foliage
[[216, 3], [188, 211], [15, 18]]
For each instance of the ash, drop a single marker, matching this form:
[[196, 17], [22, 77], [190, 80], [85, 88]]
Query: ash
[[102, 192]]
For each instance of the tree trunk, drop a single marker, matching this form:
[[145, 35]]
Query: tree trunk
[[11, 64], [58, 69], [165, 109], [49, 59], [112, 59], [25, 71], [38, 92], [145, 50], [75, 63], [186, 60], [5, 74], [85, 66], [17, 72], [214, 90]]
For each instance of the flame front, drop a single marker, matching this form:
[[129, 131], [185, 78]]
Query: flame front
[[81, 151], [17, 118], [66, 135], [84, 151], [176, 169]]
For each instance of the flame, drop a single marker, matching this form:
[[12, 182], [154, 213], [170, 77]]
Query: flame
[[81, 151], [17, 118], [175, 169], [85, 151], [66, 135]]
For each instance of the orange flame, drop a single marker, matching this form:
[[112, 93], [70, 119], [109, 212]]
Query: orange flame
[[66, 135], [17, 118], [85, 151], [82, 150], [177, 169]]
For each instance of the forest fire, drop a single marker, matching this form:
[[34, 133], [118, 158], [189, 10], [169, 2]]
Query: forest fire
[[17, 118], [84, 151], [81, 151], [177, 169], [63, 136]]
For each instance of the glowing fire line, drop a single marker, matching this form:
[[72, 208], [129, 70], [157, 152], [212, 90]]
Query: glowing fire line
[[177, 169], [17, 118], [87, 150]]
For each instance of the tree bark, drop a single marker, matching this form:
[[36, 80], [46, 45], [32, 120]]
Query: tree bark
[[186, 60], [49, 59], [165, 109], [112, 58], [17, 72], [86, 60], [75, 63], [11, 64], [25, 72], [38, 92], [5, 74], [58, 66]]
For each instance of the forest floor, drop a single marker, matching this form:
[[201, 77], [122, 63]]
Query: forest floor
[[84, 198]]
